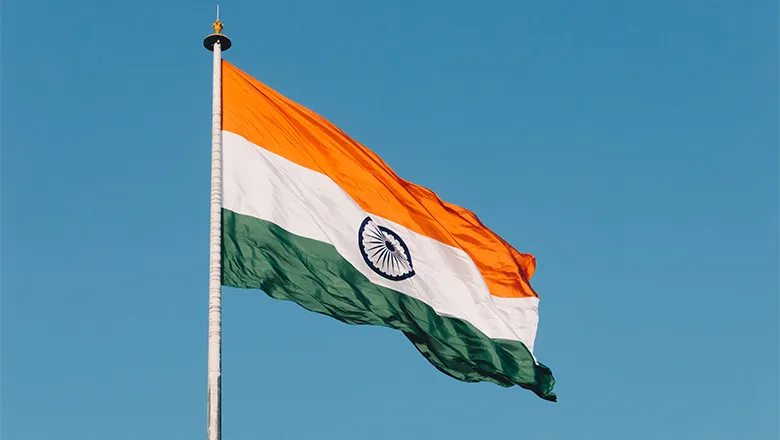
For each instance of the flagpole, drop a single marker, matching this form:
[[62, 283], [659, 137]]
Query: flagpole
[[216, 43]]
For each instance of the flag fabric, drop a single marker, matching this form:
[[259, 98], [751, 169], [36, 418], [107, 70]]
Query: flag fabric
[[314, 217]]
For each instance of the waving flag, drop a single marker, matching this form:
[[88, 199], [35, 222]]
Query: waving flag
[[312, 216]]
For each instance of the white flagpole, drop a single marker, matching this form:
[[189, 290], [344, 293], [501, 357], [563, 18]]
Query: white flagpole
[[216, 43]]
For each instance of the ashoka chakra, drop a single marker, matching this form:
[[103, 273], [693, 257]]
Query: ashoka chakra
[[384, 251]]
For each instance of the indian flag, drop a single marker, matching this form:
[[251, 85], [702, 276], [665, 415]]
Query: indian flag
[[314, 217]]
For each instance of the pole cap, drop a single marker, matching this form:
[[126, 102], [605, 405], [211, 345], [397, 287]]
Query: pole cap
[[212, 39]]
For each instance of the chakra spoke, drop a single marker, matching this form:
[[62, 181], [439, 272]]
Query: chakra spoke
[[377, 246]]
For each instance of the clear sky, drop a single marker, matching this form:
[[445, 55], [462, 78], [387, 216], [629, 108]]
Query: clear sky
[[632, 147]]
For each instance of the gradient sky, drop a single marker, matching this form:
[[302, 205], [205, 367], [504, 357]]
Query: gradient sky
[[632, 147]]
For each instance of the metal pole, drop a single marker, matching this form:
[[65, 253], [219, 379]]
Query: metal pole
[[215, 42]]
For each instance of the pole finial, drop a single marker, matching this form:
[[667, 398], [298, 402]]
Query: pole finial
[[217, 36], [217, 25]]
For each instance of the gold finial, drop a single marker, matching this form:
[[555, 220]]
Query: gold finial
[[217, 24], [217, 27], [217, 36]]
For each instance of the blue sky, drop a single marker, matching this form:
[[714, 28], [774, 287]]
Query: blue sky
[[632, 147]]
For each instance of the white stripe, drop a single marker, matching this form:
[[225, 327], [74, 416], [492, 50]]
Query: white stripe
[[267, 186]]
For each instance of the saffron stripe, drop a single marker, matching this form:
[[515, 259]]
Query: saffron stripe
[[268, 119]]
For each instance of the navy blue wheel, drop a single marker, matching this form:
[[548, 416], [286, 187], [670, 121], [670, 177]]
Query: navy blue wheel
[[384, 251]]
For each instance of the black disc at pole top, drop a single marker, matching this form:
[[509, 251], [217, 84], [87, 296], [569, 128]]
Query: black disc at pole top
[[224, 41]]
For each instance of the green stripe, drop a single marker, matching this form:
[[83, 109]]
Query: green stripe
[[259, 254]]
